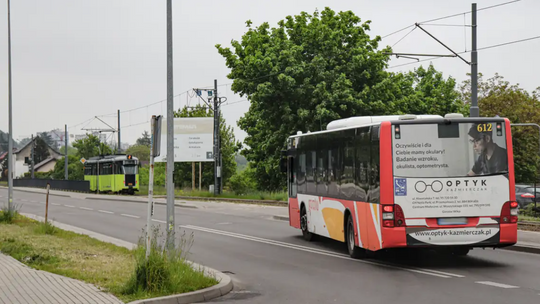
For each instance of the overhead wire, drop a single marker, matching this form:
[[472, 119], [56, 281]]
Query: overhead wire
[[478, 49]]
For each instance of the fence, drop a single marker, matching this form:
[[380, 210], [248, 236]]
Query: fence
[[79, 186]]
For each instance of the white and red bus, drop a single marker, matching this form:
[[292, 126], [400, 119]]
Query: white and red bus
[[384, 182]]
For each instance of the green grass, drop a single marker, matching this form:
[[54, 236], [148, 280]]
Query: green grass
[[529, 218], [109, 267], [5, 184], [254, 195]]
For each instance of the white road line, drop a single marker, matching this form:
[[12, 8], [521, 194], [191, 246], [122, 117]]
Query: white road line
[[129, 215], [159, 221], [105, 211], [309, 249], [56, 204], [496, 284], [85, 208], [69, 206]]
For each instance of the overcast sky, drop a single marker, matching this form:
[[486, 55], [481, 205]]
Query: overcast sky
[[74, 60]]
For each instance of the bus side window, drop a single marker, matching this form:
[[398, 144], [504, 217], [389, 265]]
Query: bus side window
[[293, 167], [374, 173]]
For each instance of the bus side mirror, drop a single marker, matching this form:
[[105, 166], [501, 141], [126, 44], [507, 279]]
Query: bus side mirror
[[283, 164]]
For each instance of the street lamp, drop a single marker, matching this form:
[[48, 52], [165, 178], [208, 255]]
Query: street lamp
[[10, 118]]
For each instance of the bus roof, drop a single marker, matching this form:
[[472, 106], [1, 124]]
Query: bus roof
[[365, 121], [109, 158]]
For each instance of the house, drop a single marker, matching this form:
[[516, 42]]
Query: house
[[24, 154], [3, 172]]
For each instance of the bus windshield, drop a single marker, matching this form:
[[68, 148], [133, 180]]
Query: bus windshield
[[449, 150], [130, 169]]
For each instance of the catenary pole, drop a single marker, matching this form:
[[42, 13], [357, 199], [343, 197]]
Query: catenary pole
[[475, 110], [10, 119], [170, 132]]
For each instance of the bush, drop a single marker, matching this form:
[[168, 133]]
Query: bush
[[163, 272], [530, 210], [241, 183], [8, 215]]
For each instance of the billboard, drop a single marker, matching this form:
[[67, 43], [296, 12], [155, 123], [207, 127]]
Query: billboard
[[193, 139]]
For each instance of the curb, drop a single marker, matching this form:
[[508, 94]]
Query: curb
[[224, 286], [138, 201], [234, 200], [521, 248], [35, 192]]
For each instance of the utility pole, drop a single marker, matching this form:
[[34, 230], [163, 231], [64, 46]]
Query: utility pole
[[10, 119], [119, 143], [66, 174], [170, 133], [32, 154], [475, 111], [217, 167]]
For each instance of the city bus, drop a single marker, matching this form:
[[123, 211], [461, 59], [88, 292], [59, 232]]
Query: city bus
[[404, 181], [113, 173]]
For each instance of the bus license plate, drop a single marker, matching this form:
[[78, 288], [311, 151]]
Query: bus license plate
[[130, 184], [452, 221]]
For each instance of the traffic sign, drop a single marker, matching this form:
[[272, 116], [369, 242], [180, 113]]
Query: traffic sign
[[83, 160]]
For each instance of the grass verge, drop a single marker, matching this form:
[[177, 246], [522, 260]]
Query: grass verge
[[254, 195], [529, 218], [124, 273]]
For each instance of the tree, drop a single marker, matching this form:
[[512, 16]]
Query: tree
[[47, 139], [71, 150], [229, 146], [145, 140], [4, 142], [312, 69], [498, 97], [142, 152], [91, 146], [41, 150], [75, 168]]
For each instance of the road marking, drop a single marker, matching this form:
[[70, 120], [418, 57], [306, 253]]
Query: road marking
[[226, 223], [69, 206], [317, 251], [129, 215], [496, 284], [85, 208], [105, 211], [159, 221], [56, 204]]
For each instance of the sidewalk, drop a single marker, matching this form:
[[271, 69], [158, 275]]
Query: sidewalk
[[21, 284]]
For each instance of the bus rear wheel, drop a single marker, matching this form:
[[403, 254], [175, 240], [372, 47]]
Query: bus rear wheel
[[308, 236], [354, 251]]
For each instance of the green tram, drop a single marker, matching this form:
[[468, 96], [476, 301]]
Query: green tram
[[112, 173]]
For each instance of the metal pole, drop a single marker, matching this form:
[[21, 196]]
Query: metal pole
[[475, 111], [150, 188], [216, 145], [47, 203], [119, 142], [32, 154], [66, 163], [170, 131], [10, 119], [200, 175]]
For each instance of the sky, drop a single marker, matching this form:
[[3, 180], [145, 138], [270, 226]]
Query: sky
[[75, 60]]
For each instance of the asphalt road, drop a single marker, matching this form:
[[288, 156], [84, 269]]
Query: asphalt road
[[270, 262]]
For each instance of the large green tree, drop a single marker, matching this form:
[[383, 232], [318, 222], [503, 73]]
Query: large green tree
[[498, 97], [142, 152], [91, 146], [312, 69], [75, 168], [229, 147]]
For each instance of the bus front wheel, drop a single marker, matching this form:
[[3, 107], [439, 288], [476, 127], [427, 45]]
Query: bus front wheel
[[308, 236], [354, 251]]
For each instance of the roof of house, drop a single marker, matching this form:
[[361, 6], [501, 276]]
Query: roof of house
[[28, 143], [43, 163], [2, 155]]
